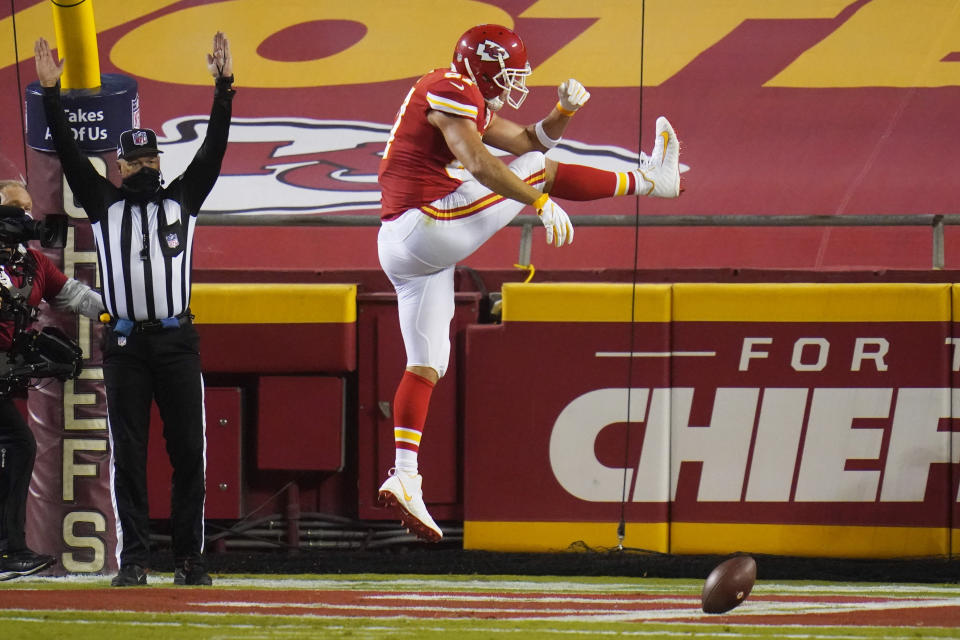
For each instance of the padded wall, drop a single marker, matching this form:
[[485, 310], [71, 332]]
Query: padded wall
[[795, 419]]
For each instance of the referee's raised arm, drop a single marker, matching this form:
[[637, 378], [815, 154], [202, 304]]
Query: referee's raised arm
[[86, 183], [204, 169]]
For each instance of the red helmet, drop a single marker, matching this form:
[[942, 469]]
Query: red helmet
[[496, 60]]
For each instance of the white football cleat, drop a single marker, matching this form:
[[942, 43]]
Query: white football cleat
[[403, 492], [661, 171]]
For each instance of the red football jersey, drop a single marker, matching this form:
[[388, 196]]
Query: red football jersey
[[413, 171], [47, 283]]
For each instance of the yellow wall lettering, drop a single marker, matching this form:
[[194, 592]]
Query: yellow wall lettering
[[608, 54], [73, 469], [72, 399], [394, 47], [37, 21], [98, 561], [887, 43]]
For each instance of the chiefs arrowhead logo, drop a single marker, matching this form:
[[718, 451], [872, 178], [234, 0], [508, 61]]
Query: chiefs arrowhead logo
[[490, 51], [285, 165]]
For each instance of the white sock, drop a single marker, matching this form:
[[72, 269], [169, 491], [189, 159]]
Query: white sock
[[643, 185], [406, 461]]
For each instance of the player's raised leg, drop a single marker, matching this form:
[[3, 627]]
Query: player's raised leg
[[657, 176], [661, 172]]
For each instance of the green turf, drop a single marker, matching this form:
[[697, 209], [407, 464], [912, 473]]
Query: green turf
[[114, 625], [111, 626]]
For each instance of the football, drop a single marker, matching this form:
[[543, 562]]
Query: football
[[728, 584]]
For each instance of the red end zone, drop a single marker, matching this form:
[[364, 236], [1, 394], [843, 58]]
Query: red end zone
[[760, 609]]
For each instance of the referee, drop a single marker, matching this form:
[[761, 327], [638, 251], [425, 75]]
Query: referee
[[144, 237]]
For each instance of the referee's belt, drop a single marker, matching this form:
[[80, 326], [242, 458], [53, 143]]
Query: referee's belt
[[125, 327]]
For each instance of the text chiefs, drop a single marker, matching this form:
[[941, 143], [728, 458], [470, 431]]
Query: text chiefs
[[788, 442]]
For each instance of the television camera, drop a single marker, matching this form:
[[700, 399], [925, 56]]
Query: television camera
[[17, 227], [49, 352]]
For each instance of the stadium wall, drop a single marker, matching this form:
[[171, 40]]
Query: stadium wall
[[804, 419]]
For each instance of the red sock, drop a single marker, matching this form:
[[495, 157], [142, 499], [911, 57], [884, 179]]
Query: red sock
[[577, 182], [410, 405]]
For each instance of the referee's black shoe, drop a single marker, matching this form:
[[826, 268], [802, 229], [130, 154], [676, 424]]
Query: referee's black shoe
[[192, 574], [131, 575], [22, 563]]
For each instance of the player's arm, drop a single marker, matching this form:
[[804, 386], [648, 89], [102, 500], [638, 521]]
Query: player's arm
[[67, 293], [79, 298], [464, 141], [511, 137], [542, 135]]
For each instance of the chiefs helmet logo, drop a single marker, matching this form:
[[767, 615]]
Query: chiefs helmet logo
[[496, 52], [283, 165]]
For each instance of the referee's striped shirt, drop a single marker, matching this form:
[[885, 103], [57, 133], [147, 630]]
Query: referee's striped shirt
[[144, 245], [144, 251]]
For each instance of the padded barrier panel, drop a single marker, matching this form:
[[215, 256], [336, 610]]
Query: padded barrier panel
[[954, 496], [382, 362], [276, 327], [815, 423], [224, 415], [300, 423], [795, 419], [549, 411]]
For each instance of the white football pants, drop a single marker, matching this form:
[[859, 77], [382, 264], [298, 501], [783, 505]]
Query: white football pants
[[418, 252]]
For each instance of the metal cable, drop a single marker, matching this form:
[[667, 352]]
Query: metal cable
[[16, 62], [622, 525]]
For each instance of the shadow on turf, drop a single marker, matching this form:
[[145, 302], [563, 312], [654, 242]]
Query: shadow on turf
[[579, 560]]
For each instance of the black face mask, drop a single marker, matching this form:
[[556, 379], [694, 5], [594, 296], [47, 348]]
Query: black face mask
[[142, 184]]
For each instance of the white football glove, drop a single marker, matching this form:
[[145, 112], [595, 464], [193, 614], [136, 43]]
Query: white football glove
[[573, 95], [557, 223]]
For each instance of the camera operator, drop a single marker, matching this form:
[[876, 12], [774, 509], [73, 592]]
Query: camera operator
[[26, 277]]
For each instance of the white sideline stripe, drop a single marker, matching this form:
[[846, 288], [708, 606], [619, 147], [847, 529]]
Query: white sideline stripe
[[550, 599], [655, 354], [752, 608], [152, 623], [886, 590], [790, 608], [581, 614], [367, 584], [683, 634]]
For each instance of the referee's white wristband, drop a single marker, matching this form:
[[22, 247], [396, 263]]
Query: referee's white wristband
[[542, 136]]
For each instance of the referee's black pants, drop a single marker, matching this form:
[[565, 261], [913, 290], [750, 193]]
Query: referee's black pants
[[161, 365], [18, 450]]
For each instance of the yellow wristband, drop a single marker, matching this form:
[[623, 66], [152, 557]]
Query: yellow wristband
[[540, 202], [565, 112]]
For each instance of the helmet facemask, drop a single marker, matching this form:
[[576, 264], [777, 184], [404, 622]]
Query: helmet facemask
[[514, 80], [507, 79]]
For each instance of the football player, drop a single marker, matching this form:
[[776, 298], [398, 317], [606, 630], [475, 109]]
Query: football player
[[444, 194]]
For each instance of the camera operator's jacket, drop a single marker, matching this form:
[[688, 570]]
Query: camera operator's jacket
[[144, 250], [37, 278]]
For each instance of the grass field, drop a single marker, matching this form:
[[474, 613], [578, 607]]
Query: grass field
[[466, 608]]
